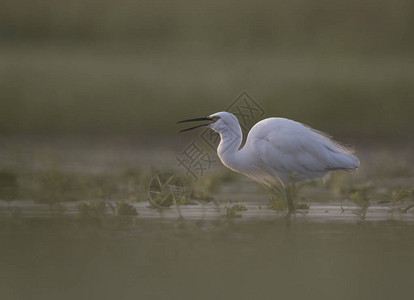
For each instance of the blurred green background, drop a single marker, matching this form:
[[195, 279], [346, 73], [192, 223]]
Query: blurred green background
[[136, 67]]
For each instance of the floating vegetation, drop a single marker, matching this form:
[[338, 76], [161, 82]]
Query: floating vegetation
[[92, 213], [165, 201], [238, 207], [278, 204], [397, 198], [165, 190], [57, 179], [301, 206], [231, 212], [360, 196], [98, 209], [125, 209]]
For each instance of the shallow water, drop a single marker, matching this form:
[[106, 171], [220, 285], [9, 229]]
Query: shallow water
[[149, 258], [334, 250]]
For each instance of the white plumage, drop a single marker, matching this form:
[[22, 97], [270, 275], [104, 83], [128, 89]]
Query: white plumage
[[278, 150], [290, 150]]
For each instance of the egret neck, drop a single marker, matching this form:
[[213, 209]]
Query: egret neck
[[228, 149]]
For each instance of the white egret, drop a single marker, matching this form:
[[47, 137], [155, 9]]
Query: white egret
[[278, 152]]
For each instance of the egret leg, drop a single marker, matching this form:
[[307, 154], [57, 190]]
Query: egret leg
[[290, 197], [289, 200], [288, 193]]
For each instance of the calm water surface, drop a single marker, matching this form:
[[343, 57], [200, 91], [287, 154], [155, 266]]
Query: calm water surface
[[132, 258], [329, 252]]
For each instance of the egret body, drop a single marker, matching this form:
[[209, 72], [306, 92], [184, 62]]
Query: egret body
[[278, 151]]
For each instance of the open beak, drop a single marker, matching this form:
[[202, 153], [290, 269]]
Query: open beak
[[196, 119]]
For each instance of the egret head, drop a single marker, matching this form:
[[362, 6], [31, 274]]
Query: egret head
[[224, 121], [219, 122]]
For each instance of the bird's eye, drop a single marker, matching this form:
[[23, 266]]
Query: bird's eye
[[215, 118]]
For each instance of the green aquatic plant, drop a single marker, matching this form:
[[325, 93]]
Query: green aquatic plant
[[167, 189], [285, 198], [277, 203], [399, 196], [231, 212], [165, 199], [302, 206], [411, 196], [396, 199], [92, 213], [125, 209], [93, 209], [360, 196], [238, 207]]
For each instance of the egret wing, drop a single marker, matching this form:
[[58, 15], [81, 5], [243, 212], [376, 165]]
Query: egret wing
[[287, 148]]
